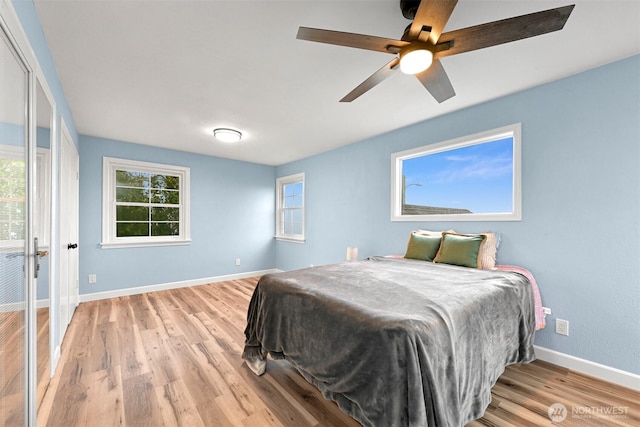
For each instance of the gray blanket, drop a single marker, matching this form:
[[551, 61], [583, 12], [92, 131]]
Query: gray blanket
[[396, 342]]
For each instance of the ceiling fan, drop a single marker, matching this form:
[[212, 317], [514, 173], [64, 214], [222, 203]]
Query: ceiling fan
[[422, 45]]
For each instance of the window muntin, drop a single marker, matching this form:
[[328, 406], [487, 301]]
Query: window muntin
[[290, 208], [145, 204], [474, 178]]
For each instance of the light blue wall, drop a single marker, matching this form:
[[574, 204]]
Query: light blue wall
[[232, 216], [579, 233]]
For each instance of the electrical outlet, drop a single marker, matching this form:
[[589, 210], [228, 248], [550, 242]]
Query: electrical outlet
[[237, 261], [546, 310], [562, 327], [92, 278]]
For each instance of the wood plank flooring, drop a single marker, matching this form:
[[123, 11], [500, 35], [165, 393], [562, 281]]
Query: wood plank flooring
[[12, 363], [172, 358]]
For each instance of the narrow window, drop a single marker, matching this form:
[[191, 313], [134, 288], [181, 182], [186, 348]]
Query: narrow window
[[290, 208]]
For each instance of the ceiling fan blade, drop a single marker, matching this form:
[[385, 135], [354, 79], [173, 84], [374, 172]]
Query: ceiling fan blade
[[504, 31], [375, 78], [436, 81], [434, 14], [360, 41]]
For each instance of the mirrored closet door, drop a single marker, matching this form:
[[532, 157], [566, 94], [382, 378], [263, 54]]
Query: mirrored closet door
[[27, 139], [14, 233]]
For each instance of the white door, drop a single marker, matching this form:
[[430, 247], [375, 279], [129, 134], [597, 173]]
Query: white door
[[69, 190]]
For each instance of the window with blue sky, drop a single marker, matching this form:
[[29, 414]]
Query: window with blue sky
[[469, 178], [477, 178]]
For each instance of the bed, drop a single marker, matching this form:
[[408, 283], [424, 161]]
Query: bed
[[395, 341]]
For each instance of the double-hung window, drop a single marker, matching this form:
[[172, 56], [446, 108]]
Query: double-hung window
[[290, 208], [144, 204]]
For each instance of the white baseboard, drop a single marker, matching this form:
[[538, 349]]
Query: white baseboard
[[172, 285], [612, 375], [20, 306], [54, 360]]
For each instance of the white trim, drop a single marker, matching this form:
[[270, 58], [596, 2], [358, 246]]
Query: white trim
[[109, 239], [478, 138], [145, 244], [13, 306], [172, 285], [289, 239], [20, 306], [587, 367], [55, 358]]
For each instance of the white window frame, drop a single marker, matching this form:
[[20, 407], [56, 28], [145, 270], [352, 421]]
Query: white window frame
[[475, 139], [280, 184], [109, 238], [43, 193]]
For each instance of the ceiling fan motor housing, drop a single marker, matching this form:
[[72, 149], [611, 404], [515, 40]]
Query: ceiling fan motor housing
[[409, 8]]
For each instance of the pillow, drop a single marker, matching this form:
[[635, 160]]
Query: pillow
[[488, 252], [423, 246], [460, 249]]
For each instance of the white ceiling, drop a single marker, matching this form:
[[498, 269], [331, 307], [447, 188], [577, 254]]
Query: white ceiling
[[166, 73]]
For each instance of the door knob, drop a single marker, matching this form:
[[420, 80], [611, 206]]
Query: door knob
[[72, 245]]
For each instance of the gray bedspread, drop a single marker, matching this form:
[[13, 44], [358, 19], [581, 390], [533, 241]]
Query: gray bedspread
[[396, 342]]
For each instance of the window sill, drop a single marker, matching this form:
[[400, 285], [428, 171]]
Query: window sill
[[515, 216], [117, 245], [290, 239]]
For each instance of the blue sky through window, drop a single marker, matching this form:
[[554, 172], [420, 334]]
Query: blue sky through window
[[293, 208], [476, 177], [293, 195]]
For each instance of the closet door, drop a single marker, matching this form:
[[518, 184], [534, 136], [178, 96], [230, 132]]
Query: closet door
[[15, 234]]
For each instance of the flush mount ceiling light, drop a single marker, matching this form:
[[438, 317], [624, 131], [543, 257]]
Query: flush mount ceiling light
[[227, 135], [415, 58]]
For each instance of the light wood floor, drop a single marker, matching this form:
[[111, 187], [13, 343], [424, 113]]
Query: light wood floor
[[12, 363], [172, 358]]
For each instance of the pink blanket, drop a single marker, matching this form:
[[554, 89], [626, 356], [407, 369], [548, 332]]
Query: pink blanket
[[540, 323]]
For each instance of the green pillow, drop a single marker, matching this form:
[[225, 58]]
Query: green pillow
[[422, 247], [460, 249]]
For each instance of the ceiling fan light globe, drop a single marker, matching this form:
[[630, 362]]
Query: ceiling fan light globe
[[415, 61]]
